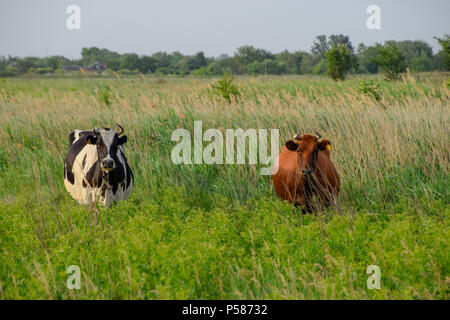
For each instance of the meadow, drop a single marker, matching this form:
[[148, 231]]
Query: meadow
[[219, 231]]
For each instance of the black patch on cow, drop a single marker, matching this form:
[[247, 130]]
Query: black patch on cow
[[128, 169], [84, 184], [94, 175], [83, 163], [71, 138], [74, 150]]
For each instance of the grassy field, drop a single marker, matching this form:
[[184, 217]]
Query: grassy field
[[219, 231]]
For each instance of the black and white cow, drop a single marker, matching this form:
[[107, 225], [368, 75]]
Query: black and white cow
[[96, 169]]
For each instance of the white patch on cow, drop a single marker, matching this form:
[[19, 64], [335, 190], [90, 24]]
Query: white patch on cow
[[80, 194], [108, 138]]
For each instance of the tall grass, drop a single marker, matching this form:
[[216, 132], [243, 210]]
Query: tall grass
[[218, 231]]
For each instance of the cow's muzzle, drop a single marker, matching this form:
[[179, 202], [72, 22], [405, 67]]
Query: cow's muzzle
[[307, 172], [107, 165]]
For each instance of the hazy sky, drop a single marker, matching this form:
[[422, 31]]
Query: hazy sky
[[34, 27]]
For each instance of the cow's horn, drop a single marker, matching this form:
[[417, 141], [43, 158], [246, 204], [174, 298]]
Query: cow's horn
[[121, 129], [319, 135], [297, 136]]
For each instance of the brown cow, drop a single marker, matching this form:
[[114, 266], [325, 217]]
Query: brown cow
[[303, 169]]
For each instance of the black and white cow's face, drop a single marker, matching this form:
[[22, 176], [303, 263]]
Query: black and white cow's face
[[96, 166], [107, 142]]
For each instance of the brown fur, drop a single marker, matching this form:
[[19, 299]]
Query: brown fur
[[292, 184]]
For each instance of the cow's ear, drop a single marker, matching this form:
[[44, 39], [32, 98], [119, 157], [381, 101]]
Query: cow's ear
[[123, 139], [91, 139], [324, 145], [291, 145]]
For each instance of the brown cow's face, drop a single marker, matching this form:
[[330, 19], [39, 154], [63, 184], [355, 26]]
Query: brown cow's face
[[307, 147]]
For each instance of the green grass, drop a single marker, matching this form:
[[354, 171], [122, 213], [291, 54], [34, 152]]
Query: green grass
[[219, 231]]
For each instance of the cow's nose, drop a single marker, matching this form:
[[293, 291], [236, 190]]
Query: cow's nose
[[307, 171], [107, 164]]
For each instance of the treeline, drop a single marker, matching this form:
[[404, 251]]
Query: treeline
[[415, 55]]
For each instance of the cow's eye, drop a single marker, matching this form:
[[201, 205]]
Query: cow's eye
[[91, 139]]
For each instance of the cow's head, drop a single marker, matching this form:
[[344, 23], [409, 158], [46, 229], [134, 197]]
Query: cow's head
[[307, 146], [107, 142]]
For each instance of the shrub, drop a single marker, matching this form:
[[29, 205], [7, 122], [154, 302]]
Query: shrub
[[340, 60], [226, 88], [391, 61], [320, 67], [104, 95], [199, 72], [369, 88], [8, 71], [43, 70], [127, 72]]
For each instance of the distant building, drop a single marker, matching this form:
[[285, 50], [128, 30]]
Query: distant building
[[97, 67], [72, 68]]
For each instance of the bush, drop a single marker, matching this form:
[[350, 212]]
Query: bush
[[127, 72], [340, 60], [213, 69], [43, 70], [8, 71], [369, 88], [226, 88], [199, 72], [391, 61], [320, 68], [104, 95]]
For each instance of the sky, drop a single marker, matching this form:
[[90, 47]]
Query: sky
[[38, 27]]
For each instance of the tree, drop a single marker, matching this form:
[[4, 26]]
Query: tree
[[197, 61], [422, 64], [322, 45], [130, 61], [366, 58], [290, 62], [246, 55], [272, 67], [255, 68], [444, 54], [93, 54], [147, 64], [307, 63], [340, 59], [412, 49], [335, 40], [53, 62], [214, 69], [23, 65], [391, 61]]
